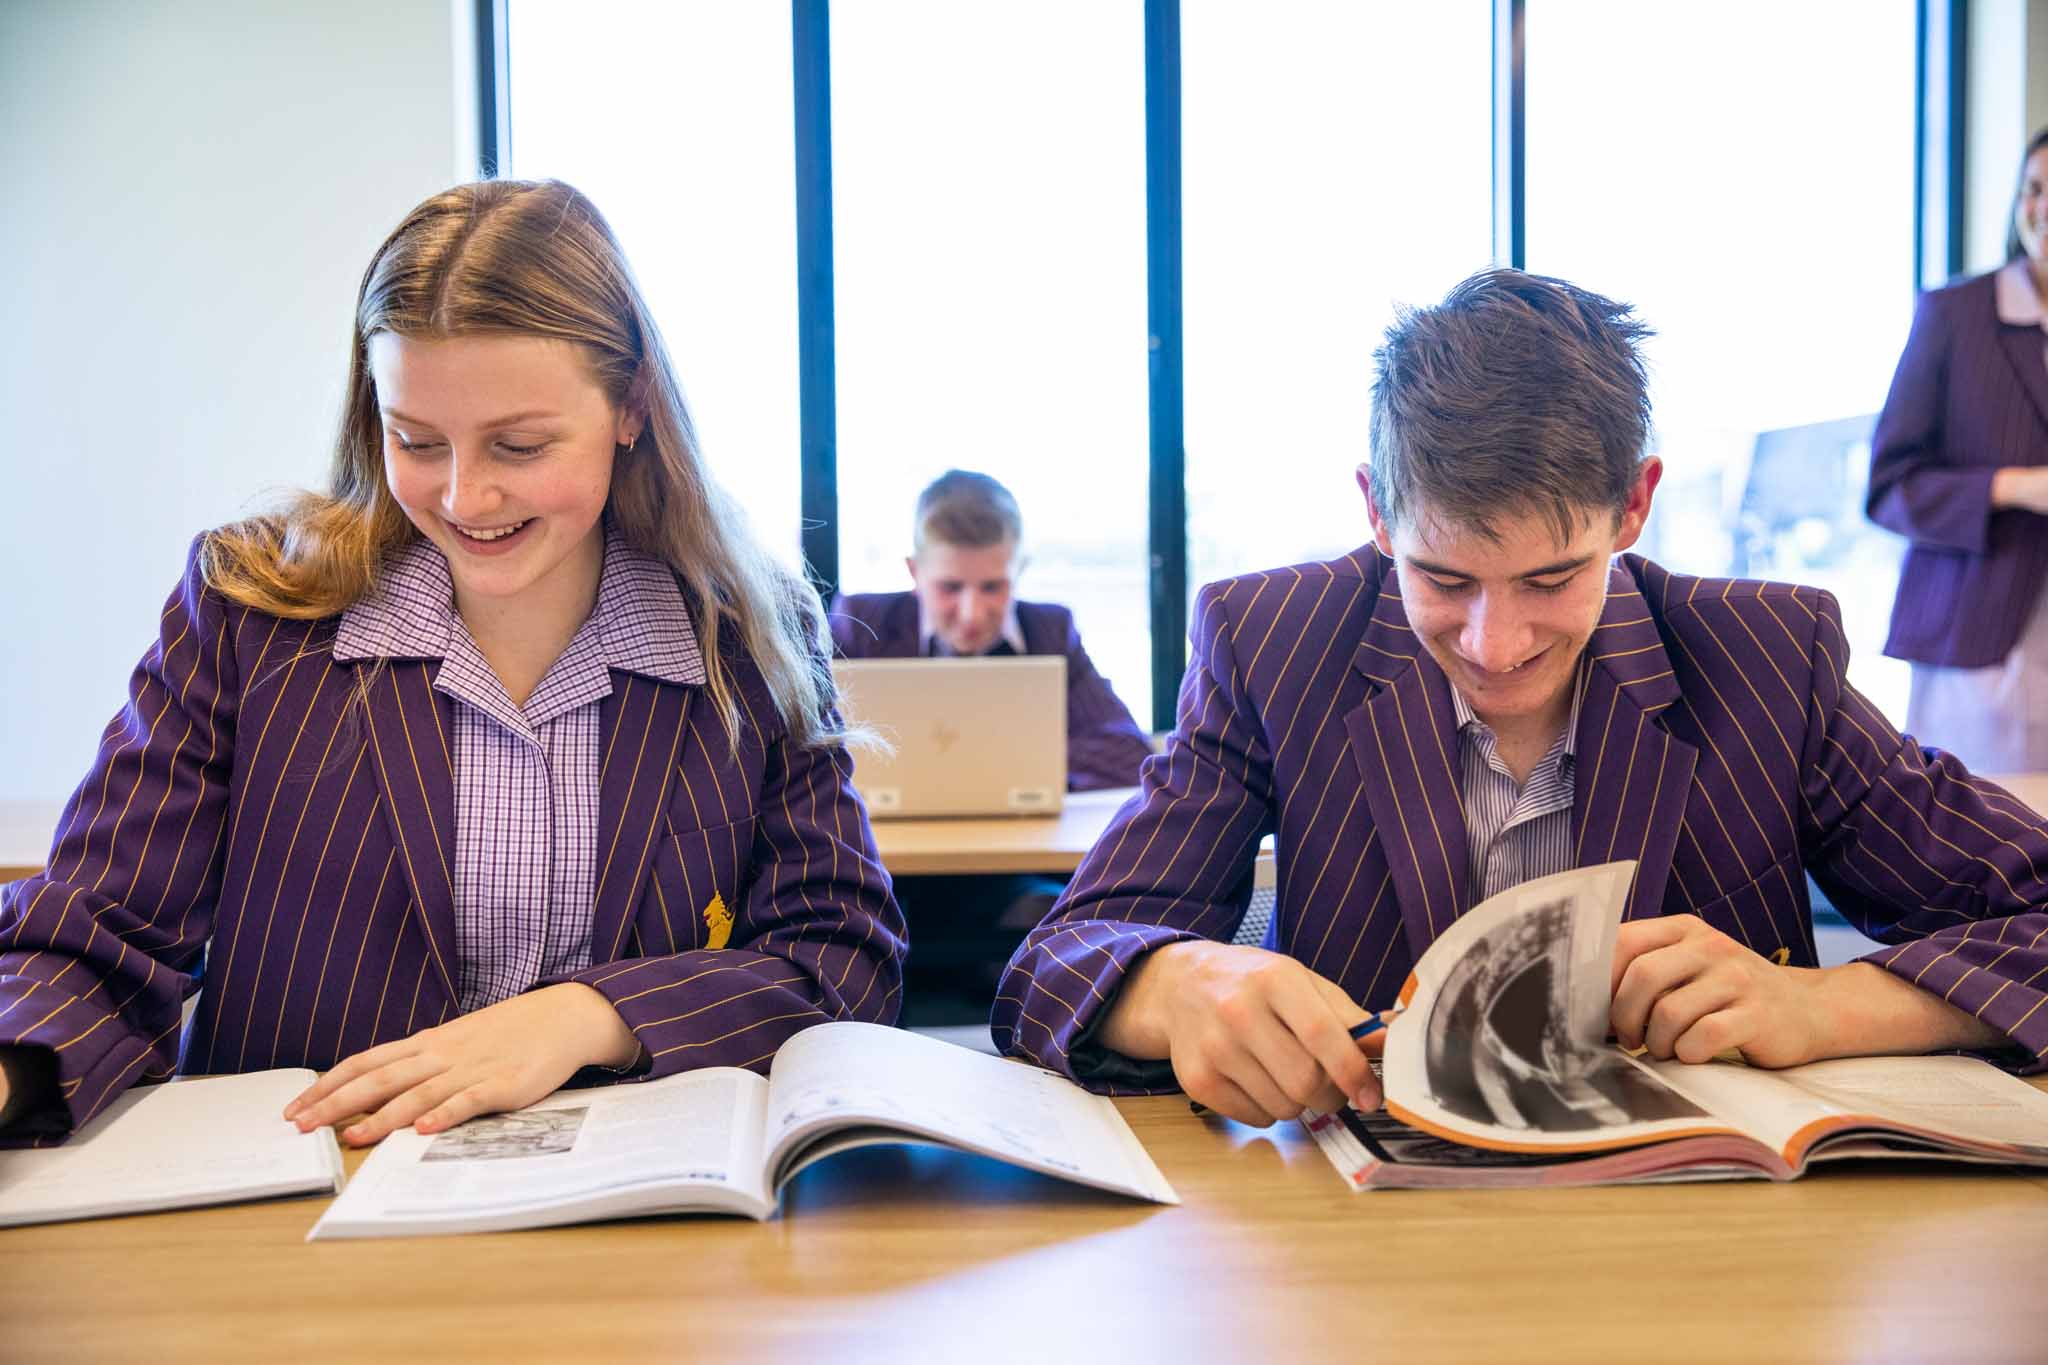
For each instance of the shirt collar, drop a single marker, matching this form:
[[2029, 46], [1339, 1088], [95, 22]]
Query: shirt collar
[[2019, 305], [1012, 633], [1466, 716], [643, 624]]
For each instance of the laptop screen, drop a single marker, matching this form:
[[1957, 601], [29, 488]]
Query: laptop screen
[[969, 736]]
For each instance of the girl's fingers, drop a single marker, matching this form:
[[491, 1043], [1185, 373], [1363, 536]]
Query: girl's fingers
[[368, 1092], [348, 1069], [401, 1110]]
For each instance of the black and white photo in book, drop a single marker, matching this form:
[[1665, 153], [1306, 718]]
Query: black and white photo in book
[[1498, 1072], [501, 1137], [1503, 1037], [1506, 1047]]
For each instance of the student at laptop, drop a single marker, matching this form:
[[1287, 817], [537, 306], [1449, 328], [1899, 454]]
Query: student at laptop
[[509, 755], [964, 562], [1486, 694]]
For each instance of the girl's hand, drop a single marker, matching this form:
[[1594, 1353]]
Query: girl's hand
[[504, 1056]]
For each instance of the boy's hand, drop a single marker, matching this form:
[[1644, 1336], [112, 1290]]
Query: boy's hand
[[1684, 989], [1253, 1035]]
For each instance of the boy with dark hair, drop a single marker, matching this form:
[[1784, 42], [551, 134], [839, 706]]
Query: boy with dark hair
[[1487, 694]]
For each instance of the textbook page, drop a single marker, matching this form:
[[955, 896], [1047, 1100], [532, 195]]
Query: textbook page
[[1961, 1099], [1947, 1100], [1758, 1102], [1503, 1040], [207, 1140], [853, 1076], [690, 1141]]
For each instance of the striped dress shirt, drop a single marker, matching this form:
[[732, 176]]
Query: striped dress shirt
[[526, 777], [1514, 834]]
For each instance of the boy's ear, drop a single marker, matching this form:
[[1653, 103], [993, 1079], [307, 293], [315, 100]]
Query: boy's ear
[[1380, 537], [1637, 510]]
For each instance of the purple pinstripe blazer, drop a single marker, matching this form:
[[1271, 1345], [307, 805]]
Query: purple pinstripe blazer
[[1104, 745], [1970, 396], [1718, 745], [246, 828]]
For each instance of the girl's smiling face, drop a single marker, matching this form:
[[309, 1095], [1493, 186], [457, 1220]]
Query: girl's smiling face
[[499, 448]]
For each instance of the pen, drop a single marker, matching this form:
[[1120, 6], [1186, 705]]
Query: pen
[[1364, 1028]]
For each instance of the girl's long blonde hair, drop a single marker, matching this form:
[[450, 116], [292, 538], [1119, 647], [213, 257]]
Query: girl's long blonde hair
[[536, 258]]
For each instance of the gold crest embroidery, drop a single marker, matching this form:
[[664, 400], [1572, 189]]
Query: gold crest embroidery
[[717, 922], [1782, 956]]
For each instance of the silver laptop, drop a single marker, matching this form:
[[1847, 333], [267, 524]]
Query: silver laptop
[[971, 736]]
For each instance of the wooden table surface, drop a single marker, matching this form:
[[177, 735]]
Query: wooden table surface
[[1051, 844], [911, 1255], [1014, 843]]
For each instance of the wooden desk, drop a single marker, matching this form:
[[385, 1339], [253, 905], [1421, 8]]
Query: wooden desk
[[1017, 843], [2031, 788], [909, 847], [909, 1255]]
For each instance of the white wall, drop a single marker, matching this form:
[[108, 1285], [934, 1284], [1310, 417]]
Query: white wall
[[192, 189]]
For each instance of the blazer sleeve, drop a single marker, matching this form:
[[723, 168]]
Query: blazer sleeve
[[817, 935], [1949, 868], [98, 953], [1174, 865], [1916, 488], [1105, 747]]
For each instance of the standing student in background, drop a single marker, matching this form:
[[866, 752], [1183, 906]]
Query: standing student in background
[[509, 756], [1959, 466], [966, 553]]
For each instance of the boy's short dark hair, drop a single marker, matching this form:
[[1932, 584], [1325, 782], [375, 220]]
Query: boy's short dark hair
[[1517, 393], [966, 509]]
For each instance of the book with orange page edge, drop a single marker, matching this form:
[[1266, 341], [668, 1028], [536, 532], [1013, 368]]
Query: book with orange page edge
[[1498, 1072]]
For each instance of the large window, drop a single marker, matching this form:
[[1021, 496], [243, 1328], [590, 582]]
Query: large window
[[989, 250], [676, 120], [1743, 174], [1305, 224]]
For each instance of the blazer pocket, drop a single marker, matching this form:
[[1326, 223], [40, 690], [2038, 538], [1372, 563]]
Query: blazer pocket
[[700, 882], [1770, 913]]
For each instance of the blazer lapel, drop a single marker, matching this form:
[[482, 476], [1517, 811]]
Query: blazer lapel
[[1632, 776], [409, 727], [1402, 740], [640, 729], [2023, 351]]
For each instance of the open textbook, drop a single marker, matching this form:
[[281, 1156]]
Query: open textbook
[[208, 1140], [1498, 1072], [723, 1140]]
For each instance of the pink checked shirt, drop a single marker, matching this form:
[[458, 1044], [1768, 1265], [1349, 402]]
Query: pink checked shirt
[[526, 778]]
